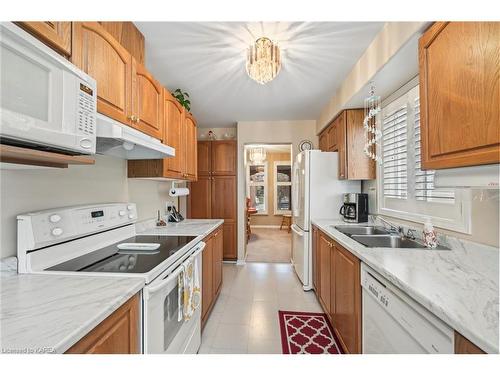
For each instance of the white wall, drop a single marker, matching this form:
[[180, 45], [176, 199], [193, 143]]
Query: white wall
[[37, 189], [387, 43], [249, 132]]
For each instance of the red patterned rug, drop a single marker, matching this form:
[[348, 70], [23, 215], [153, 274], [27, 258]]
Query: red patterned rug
[[307, 333]]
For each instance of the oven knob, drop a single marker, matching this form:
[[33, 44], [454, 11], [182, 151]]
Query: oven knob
[[121, 213], [54, 218], [130, 216], [129, 207], [57, 231], [122, 267]]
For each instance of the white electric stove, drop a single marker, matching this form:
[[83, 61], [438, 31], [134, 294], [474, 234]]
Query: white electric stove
[[100, 240]]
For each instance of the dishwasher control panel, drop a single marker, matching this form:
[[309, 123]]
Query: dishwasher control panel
[[376, 288]]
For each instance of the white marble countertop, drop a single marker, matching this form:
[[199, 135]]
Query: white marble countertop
[[188, 227], [460, 286], [50, 313]]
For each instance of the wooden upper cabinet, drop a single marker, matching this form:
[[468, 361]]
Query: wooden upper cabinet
[[127, 34], [117, 334], [340, 125], [323, 141], [345, 135], [100, 55], [224, 158], [201, 193], [56, 35], [191, 147], [459, 65], [347, 299], [224, 197], [359, 166], [332, 137], [204, 156], [147, 102], [174, 135]]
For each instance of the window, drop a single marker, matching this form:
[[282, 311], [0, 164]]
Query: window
[[257, 186], [404, 190], [282, 187]]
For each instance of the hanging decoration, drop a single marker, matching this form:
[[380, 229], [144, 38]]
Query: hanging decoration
[[372, 133]]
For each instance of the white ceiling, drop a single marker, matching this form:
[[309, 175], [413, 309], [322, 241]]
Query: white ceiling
[[207, 59]]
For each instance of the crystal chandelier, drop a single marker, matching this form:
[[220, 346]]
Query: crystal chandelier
[[263, 60], [257, 155], [372, 133]]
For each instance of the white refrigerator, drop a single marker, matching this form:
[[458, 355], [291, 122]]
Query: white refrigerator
[[316, 194]]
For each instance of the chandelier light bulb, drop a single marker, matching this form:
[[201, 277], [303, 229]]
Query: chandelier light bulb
[[263, 60]]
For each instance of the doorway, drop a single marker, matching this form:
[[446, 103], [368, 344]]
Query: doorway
[[268, 173]]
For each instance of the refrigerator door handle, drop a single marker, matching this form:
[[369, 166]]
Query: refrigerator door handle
[[297, 231]]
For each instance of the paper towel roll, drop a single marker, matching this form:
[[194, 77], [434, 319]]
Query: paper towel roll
[[178, 192]]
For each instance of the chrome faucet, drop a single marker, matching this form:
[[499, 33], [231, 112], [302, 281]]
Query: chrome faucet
[[392, 227]]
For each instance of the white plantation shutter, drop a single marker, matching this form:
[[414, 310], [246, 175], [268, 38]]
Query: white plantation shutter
[[395, 153], [424, 180], [403, 189]]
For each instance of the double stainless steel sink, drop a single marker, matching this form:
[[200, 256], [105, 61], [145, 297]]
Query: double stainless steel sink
[[375, 236]]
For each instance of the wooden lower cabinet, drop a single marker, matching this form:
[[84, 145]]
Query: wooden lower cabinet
[[346, 292], [117, 334], [464, 346], [325, 249], [337, 285], [211, 276]]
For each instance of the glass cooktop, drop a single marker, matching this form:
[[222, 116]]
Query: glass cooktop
[[114, 259]]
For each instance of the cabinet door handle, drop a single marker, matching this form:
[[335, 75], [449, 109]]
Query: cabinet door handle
[[137, 119], [132, 118]]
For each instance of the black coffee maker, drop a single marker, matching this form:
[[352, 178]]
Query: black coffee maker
[[355, 208]]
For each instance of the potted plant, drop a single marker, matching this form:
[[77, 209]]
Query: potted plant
[[182, 98]]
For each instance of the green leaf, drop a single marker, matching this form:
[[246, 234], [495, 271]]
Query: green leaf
[[186, 94]]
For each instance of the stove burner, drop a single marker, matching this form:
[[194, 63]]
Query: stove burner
[[113, 259]]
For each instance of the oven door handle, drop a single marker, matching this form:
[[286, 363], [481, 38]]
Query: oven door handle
[[154, 288]]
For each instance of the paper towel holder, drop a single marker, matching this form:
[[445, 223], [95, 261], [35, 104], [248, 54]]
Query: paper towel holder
[[177, 192]]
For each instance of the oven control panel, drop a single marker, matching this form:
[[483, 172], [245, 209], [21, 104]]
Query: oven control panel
[[50, 227]]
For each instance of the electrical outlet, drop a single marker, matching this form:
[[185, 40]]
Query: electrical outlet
[[169, 205]]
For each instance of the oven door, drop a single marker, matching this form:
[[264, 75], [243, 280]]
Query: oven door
[[163, 332], [44, 101]]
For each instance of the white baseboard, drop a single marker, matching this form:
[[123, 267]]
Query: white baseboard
[[265, 226]]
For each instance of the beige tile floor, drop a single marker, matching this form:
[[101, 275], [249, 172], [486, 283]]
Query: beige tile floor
[[269, 245], [245, 317]]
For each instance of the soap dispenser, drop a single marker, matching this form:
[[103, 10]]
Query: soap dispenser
[[430, 235]]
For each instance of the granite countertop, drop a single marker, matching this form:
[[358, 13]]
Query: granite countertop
[[460, 286], [50, 313], [188, 227]]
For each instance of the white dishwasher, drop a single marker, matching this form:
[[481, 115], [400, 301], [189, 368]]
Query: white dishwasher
[[394, 323]]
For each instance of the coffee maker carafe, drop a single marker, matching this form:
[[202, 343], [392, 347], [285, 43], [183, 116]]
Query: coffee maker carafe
[[355, 208]]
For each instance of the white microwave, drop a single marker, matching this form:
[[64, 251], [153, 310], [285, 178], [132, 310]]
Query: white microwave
[[45, 101]]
